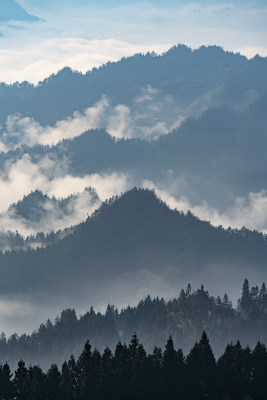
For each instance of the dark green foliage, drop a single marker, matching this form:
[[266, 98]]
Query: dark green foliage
[[153, 320], [22, 382], [88, 385], [38, 382], [259, 372], [126, 240], [53, 383], [235, 370], [6, 384], [130, 373], [226, 78], [173, 372], [201, 368]]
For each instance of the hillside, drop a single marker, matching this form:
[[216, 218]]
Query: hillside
[[133, 244], [153, 320], [219, 156], [196, 80], [38, 210], [38, 217]]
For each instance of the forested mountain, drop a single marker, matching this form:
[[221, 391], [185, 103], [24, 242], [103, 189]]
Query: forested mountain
[[38, 210], [153, 320], [219, 156], [135, 242], [44, 220], [37, 206], [195, 79]]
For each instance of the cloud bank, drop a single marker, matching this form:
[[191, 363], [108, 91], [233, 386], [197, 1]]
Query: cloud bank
[[98, 33], [250, 212], [150, 116], [52, 178]]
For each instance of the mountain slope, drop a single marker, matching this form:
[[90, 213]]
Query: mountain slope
[[37, 217], [226, 78], [220, 155], [38, 208], [134, 242], [153, 320]]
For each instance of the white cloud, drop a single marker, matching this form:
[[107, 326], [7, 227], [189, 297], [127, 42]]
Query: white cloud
[[51, 177], [37, 61], [250, 212], [97, 34], [52, 216], [150, 116]]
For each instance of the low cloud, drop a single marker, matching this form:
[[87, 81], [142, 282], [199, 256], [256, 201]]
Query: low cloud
[[250, 212], [98, 34], [49, 214], [52, 178], [150, 115]]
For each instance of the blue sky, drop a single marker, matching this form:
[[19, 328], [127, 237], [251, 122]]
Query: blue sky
[[92, 32]]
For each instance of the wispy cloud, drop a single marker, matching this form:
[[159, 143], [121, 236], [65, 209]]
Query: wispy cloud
[[151, 115], [52, 178], [250, 211]]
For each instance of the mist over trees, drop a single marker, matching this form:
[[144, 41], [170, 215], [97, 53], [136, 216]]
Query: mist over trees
[[218, 156], [222, 77], [37, 212], [131, 373], [134, 244], [153, 319], [132, 240]]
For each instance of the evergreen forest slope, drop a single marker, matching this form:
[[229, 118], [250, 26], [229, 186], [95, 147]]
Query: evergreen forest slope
[[133, 243], [197, 79], [153, 320]]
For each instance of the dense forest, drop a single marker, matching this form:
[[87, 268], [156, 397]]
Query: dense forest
[[219, 155], [153, 320], [38, 213], [239, 374], [132, 239], [208, 76]]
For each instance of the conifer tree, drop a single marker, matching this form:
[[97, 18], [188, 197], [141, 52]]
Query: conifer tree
[[37, 384], [154, 363], [21, 382], [6, 383], [74, 372], [172, 371], [66, 382], [201, 368], [259, 372], [85, 373], [53, 383], [138, 373], [108, 374], [245, 301], [234, 368], [122, 370]]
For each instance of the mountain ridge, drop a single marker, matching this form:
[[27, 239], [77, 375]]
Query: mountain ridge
[[226, 78], [133, 239]]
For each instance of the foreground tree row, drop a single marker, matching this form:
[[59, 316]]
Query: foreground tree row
[[184, 317], [239, 374]]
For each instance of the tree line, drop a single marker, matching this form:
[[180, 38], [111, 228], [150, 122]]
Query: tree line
[[130, 373], [184, 317]]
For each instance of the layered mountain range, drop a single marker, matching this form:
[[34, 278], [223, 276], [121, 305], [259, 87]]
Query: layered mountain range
[[190, 124], [133, 243]]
